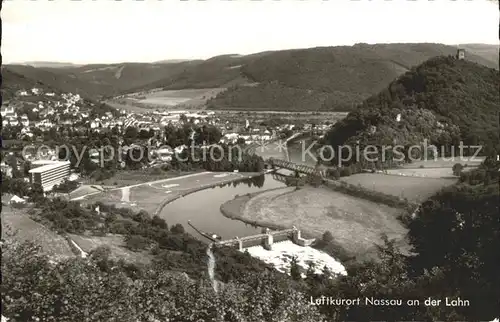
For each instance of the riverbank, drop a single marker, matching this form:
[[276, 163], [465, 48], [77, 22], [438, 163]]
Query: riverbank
[[125, 178], [233, 209], [356, 224], [245, 175], [154, 196]]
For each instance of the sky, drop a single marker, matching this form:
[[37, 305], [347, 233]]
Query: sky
[[106, 31]]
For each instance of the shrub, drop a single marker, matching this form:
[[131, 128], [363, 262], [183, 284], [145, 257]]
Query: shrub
[[457, 169], [345, 171], [66, 186], [333, 174], [327, 237], [177, 229], [159, 222], [136, 242]]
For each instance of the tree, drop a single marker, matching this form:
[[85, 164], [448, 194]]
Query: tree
[[66, 186], [326, 273], [79, 289], [177, 229], [37, 194], [159, 222], [131, 132], [457, 169], [101, 255], [345, 171], [142, 216], [456, 231], [311, 272], [327, 237], [26, 168], [295, 269], [136, 242]]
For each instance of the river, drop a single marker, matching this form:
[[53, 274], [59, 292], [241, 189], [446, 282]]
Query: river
[[202, 208]]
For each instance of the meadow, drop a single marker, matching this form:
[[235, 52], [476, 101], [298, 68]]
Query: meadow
[[17, 222], [116, 245], [424, 173], [152, 196], [192, 98], [445, 162], [355, 224], [415, 189]]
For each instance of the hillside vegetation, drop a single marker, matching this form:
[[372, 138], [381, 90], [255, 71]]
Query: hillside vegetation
[[455, 234], [340, 77], [13, 82], [128, 76], [58, 79], [443, 100]]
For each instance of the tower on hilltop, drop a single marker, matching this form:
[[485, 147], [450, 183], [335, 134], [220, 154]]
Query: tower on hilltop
[[460, 53]]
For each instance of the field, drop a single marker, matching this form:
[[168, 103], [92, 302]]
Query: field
[[185, 98], [356, 224], [17, 221], [176, 97], [127, 106], [415, 189], [126, 178], [444, 163], [116, 245], [425, 173], [151, 196]]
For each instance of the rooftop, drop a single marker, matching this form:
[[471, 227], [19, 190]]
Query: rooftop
[[44, 162], [49, 166]]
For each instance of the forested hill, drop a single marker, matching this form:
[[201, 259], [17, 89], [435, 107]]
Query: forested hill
[[310, 79], [443, 100], [328, 78], [20, 76], [13, 82]]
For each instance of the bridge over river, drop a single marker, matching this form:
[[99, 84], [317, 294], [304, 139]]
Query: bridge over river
[[301, 168], [267, 239]]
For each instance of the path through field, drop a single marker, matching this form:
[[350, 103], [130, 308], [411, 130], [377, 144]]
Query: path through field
[[125, 194]]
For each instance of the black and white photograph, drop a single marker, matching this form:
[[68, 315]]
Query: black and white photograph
[[250, 161]]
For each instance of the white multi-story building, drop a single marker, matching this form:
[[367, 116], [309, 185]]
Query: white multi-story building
[[50, 174]]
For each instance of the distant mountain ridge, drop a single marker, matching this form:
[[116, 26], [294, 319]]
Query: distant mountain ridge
[[322, 78], [171, 61], [48, 64]]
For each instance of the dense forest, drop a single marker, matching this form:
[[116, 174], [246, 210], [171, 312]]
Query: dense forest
[[444, 101], [276, 97], [326, 78]]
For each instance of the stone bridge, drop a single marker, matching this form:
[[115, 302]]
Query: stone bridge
[[301, 168], [266, 239]]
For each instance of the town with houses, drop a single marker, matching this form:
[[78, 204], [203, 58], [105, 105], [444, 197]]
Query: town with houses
[[32, 113], [337, 179]]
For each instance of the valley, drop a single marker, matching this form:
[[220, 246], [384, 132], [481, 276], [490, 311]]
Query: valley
[[160, 148], [313, 79]]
